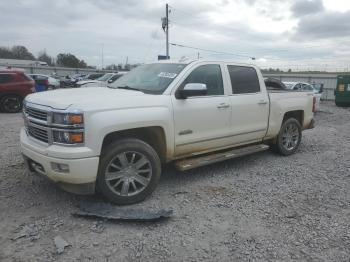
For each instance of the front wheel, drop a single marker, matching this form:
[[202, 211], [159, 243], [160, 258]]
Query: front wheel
[[289, 137], [129, 171]]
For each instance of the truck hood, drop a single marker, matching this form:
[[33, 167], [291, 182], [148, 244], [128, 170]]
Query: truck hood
[[94, 98]]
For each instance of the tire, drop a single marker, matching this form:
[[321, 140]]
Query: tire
[[11, 104], [289, 137], [129, 180]]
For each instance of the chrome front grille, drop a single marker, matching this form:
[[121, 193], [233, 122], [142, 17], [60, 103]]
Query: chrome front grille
[[36, 113], [38, 122], [38, 133]]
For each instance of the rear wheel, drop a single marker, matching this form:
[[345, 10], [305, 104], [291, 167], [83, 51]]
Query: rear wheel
[[11, 104], [129, 171], [289, 137]]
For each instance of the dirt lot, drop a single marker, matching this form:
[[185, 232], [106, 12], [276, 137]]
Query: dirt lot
[[262, 207]]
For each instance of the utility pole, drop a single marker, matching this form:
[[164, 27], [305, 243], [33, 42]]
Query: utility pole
[[165, 26], [167, 29], [102, 57]]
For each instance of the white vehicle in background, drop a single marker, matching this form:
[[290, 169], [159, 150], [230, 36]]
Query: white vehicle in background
[[101, 81], [53, 82], [305, 87]]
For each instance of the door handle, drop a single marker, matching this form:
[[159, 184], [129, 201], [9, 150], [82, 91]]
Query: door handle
[[223, 105], [262, 102]]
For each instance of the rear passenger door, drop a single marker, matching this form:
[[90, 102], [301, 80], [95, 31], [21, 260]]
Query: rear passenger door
[[250, 104]]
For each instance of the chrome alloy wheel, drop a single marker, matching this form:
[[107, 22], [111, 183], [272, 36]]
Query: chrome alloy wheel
[[290, 137], [128, 173]]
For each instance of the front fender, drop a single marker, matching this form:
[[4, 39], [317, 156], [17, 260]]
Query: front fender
[[100, 124]]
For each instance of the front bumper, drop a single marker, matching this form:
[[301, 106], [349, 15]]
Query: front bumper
[[80, 177]]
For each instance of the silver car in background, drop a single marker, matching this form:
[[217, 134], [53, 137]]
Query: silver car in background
[[305, 87]]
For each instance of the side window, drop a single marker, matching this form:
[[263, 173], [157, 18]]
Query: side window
[[244, 80], [307, 87], [297, 87], [5, 78], [209, 75]]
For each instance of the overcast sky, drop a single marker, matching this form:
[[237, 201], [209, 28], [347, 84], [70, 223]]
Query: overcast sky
[[297, 34]]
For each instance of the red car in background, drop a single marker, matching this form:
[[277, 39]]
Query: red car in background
[[14, 87]]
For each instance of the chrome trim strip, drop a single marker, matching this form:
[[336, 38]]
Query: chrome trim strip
[[222, 137]]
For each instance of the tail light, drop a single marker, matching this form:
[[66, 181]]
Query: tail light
[[313, 104]]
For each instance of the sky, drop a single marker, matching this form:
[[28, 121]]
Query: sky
[[296, 34]]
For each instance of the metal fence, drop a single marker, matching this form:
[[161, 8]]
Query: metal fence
[[48, 70], [329, 81]]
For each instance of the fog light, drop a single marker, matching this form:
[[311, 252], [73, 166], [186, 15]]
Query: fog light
[[58, 167]]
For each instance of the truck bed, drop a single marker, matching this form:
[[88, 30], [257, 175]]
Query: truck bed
[[288, 101]]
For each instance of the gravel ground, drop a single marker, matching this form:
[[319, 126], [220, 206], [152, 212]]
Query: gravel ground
[[262, 207]]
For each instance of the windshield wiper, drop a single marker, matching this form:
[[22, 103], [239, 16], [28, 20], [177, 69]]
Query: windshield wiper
[[128, 88]]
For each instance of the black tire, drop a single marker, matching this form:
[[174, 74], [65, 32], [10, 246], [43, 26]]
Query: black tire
[[11, 104], [279, 144], [127, 147]]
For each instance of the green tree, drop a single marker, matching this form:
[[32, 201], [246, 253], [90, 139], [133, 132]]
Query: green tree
[[44, 57], [21, 52], [6, 53], [69, 60]]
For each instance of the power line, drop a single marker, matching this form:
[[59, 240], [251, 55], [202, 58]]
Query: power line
[[271, 50], [212, 51]]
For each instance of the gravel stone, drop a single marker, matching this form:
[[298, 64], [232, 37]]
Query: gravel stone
[[262, 207]]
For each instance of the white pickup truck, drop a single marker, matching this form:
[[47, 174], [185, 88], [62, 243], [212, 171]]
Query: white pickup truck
[[116, 139]]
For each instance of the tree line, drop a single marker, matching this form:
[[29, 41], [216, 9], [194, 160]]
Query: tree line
[[62, 59]]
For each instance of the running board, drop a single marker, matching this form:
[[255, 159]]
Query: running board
[[194, 162]]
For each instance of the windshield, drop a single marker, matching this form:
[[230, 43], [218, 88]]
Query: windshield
[[105, 77], [150, 78]]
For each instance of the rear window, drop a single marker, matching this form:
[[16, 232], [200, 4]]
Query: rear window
[[27, 77], [5, 78], [244, 80]]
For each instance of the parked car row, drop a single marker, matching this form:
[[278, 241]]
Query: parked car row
[[44, 82], [95, 79], [103, 81], [15, 85]]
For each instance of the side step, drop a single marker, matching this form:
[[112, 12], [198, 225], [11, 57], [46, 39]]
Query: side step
[[194, 162]]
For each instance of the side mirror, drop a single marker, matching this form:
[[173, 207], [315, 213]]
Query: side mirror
[[110, 81], [191, 89]]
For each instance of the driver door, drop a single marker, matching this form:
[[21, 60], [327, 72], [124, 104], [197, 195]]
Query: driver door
[[202, 122]]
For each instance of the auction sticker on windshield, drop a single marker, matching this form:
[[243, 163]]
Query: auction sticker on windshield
[[167, 75]]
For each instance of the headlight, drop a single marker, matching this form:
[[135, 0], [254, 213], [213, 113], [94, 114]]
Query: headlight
[[67, 119], [68, 137]]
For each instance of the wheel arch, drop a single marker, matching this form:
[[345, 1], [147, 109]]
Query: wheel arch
[[152, 135], [3, 94], [297, 114]]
